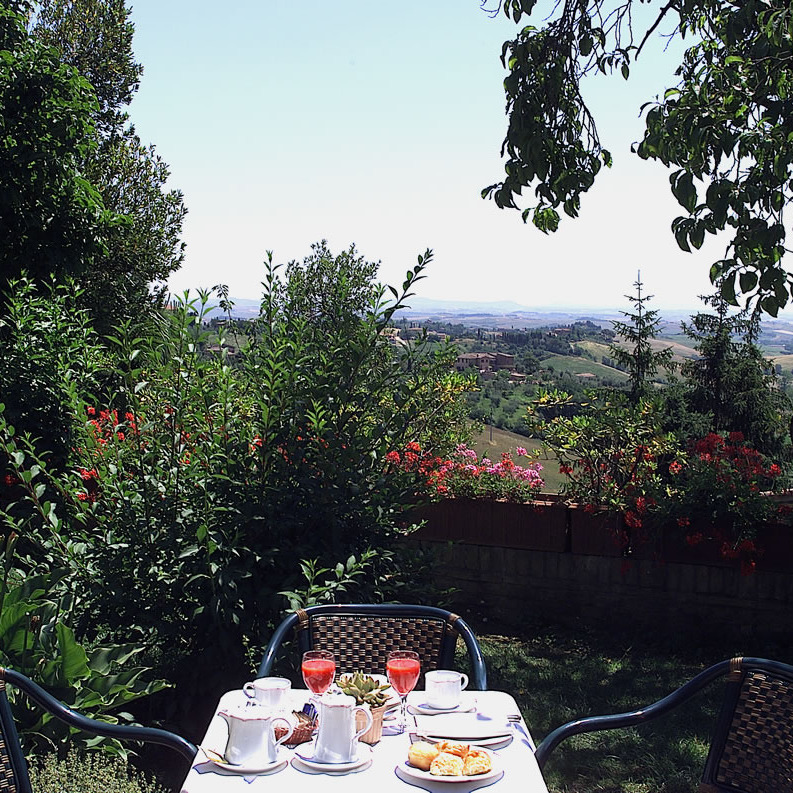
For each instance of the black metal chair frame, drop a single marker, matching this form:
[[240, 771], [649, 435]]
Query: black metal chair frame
[[13, 768], [301, 621], [735, 727]]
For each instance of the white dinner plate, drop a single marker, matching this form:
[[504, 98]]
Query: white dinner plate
[[429, 710], [249, 768], [426, 776], [494, 742], [306, 754]]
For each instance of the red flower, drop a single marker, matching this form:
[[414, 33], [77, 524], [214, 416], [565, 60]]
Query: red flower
[[748, 567], [774, 470], [82, 496], [120, 436], [413, 447], [735, 437], [695, 539], [675, 467], [589, 508], [683, 522], [565, 469], [393, 457], [91, 411], [633, 520], [87, 475], [10, 480]]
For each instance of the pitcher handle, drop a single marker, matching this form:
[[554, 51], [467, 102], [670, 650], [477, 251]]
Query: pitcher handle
[[463, 680], [369, 719], [291, 724]]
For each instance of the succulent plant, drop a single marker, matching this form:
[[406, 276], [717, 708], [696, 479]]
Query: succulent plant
[[365, 689]]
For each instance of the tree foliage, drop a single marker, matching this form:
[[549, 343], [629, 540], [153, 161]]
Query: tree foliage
[[640, 361], [731, 381], [724, 129], [95, 37], [52, 220]]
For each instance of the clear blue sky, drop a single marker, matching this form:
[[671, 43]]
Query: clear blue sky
[[379, 124]]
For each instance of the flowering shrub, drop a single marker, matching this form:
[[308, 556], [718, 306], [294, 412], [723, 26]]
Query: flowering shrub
[[463, 475], [616, 458], [197, 490], [719, 490]]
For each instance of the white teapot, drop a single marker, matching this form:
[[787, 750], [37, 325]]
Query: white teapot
[[337, 738], [252, 734]]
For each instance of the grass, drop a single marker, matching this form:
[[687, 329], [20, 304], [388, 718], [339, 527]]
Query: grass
[[559, 674], [576, 365]]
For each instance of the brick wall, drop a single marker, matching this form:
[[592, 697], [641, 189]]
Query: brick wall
[[503, 583]]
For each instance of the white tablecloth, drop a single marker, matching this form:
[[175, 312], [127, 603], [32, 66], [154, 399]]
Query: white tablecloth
[[521, 772]]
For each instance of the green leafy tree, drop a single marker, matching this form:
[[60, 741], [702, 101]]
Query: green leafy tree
[[95, 37], [640, 360], [731, 381], [723, 129], [52, 219]]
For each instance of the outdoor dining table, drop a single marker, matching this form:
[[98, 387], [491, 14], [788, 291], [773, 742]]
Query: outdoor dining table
[[383, 774]]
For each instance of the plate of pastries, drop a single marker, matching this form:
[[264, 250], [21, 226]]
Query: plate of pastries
[[450, 761]]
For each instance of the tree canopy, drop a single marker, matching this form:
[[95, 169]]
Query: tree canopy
[[724, 130], [52, 219], [95, 37]]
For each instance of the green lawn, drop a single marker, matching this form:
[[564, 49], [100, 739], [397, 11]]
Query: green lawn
[[561, 673]]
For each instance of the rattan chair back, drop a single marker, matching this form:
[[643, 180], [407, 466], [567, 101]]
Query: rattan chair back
[[753, 751], [360, 636], [363, 642]]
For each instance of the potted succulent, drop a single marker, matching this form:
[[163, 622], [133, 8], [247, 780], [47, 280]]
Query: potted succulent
[[367, 691]]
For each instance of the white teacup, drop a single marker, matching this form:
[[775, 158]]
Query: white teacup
[[272, 692], [444, 688]]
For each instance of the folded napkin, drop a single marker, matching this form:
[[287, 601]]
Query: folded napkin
[[462, 726]]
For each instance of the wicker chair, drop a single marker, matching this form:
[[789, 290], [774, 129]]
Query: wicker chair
[[751, 750], [361, 635], [13, 769]]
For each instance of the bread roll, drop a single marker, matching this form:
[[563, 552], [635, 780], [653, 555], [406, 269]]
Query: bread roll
[[421, 754], [446, 764], [477, 762], [453, 747]]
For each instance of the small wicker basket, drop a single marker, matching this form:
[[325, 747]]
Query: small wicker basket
[[303, 732]]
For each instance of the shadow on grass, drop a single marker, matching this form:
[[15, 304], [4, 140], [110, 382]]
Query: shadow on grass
[[557, 674]]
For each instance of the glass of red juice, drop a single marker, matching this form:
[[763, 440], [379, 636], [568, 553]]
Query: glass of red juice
[[403, 668], [319, 670]]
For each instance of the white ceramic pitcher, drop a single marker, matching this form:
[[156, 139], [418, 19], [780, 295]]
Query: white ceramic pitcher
[[337, 738], [252, 734]]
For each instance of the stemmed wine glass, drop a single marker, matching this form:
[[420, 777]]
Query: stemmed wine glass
[[319, 670], [404, 668]]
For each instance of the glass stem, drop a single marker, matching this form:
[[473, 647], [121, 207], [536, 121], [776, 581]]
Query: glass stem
[[403, 724]]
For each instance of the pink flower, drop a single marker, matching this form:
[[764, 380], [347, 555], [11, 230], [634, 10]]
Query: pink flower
[[520, 451]]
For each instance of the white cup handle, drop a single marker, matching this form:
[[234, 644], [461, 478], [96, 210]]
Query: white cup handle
[[291, 724], [463, 680], [250, 690], [369, 720]]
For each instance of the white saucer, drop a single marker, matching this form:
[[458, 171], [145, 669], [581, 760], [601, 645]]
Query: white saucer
[[306, 757], [329, 770], [250, 768], [429, 710]]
